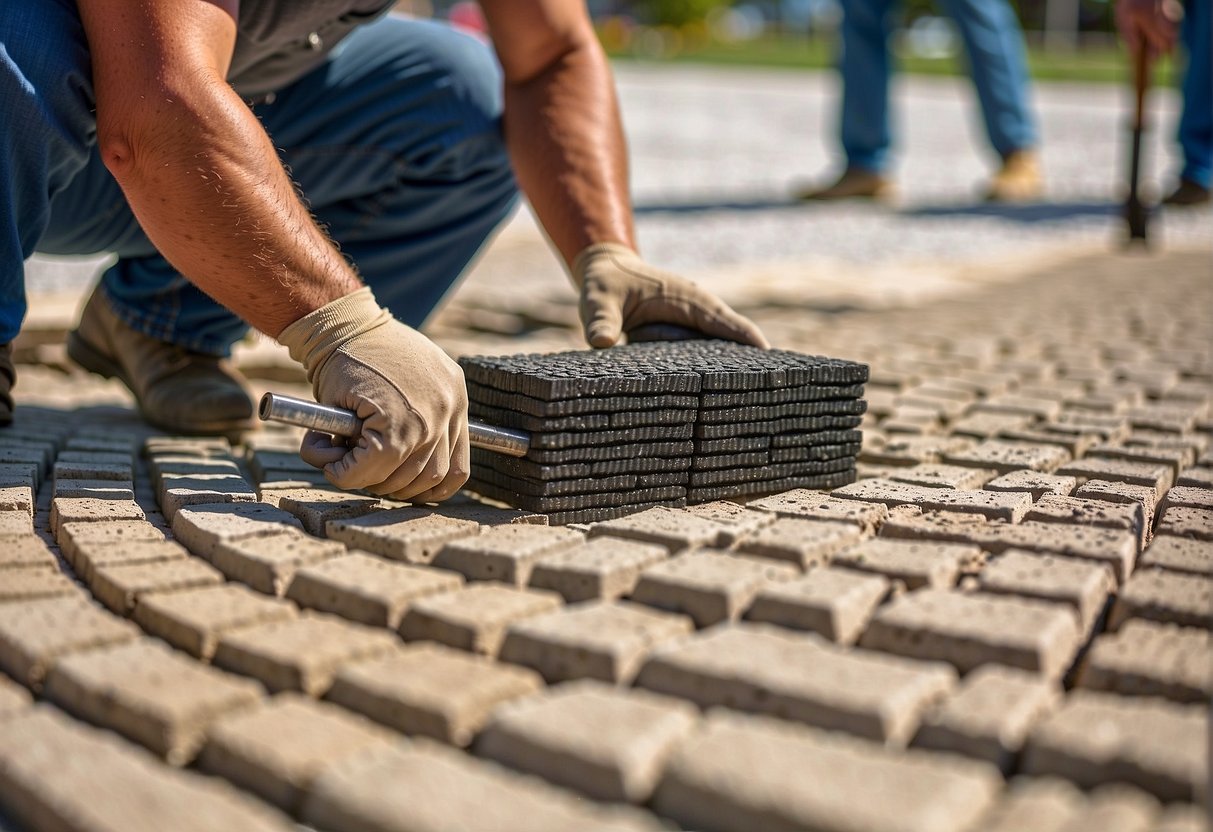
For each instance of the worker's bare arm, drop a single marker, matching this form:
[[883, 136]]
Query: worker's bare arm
[[562, 121], [196, 166]]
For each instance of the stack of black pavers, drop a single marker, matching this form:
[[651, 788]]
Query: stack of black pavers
[[665, 423]]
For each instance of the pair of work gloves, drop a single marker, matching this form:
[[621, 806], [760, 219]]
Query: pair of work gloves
[[411, 395]]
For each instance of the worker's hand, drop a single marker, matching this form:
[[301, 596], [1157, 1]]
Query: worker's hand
[[1148, 23], [409, 394], [620, 292]]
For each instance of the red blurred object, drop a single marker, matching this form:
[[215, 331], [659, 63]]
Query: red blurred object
[[466, 15]]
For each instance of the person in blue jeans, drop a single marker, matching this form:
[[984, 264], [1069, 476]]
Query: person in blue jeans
[[321, 171], [994, 45], [1151, 24]]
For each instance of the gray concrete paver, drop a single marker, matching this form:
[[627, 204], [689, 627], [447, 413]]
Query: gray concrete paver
[[431, 690], [1151, 743], [474, 618], [745, 772], [155, 696], [798, 676]]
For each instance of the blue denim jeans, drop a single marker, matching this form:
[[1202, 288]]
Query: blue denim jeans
[[994, 45], [1196, 122], [395, 143]]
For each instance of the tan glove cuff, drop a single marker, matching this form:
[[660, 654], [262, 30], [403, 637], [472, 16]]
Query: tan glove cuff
[[590, 255], [317, 335]]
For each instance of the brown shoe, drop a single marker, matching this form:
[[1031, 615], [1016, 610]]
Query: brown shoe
[[8, 378], [177, 390], [1187, 194], [1018, 180], [855, 183]]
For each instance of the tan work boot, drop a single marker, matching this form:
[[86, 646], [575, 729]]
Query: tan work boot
[[855, 183], [1187, 194], [177, 390], [8, 377], [1018, 180]]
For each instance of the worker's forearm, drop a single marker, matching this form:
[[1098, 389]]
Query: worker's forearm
[[205, 182], [566, 142]]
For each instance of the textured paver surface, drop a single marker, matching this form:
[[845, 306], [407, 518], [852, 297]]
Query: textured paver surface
[[1005, 623]]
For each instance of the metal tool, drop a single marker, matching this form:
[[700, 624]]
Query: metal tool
[[1137, 213], [341, 422]]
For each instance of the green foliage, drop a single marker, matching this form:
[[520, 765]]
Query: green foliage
[[677, 12]]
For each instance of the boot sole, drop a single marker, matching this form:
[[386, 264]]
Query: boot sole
[[95, 361]]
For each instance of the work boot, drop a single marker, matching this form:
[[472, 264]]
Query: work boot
[[855, 183], [8, 378], [1187, 194], [178, 390], [1018, 180]]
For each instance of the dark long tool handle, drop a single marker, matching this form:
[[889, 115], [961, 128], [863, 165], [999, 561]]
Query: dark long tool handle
[[1136, 212], [341, 422]]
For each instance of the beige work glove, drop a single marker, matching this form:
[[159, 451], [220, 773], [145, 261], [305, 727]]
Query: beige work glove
[[409, 394], [620, 293]]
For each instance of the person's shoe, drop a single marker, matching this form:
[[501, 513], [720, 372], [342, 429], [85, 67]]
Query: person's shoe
[[855, 183], [178, 390], [1187, 194], [1018, 180], [8, 377]]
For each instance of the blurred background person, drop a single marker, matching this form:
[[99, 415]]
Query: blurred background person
[[1151, 24], [997, 64]]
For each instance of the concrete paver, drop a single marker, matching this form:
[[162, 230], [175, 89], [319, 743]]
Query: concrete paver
[[835, 603], [1036, 483], [121, 586], [813, 505], [603, 568], [802, 677], [970, 630], [1084, 512], [155, 696], [760, 773], [408, 534], [28, 584], [56, 773], [1185, 521], [1145, 658], [66, 510], [26, 553], [594, 640], [90, 557], [1148, 742], [193, 620], [74, 535], [315, 507], [475, 618], [1083, 585], [302, 654], [1169, 597], [13, 698], [278, 748], [35, 634], [367, 589], [989, 716], [423, 787], [268, 564], [708, 586], [431, 690], [674, 529], [1116, 548], [608, 743], [506, 553], [205, 527], [803, 543], [1179, 554], [917, 565]]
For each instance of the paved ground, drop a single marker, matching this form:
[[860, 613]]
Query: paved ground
[[1003, 625]]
